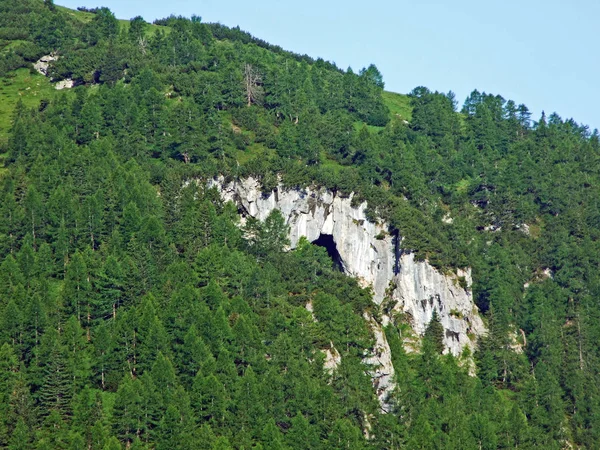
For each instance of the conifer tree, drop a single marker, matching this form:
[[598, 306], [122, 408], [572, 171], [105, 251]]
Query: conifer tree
[[434, 333], [56, 390], [128, 414], [9, 367], [77, 290], [21, 437], [271, 436], [194, 358], [169, 432], [209, 399], [10, 277], [301, 435]]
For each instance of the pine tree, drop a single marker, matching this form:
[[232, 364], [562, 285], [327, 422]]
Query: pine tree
[[434, 333], [27, 260], [219, 331], [517, 428], [90, 122], [110, 284], [45, 263], [34, 213], [10, 277], [98, 435], [62, 247], [111, 68], [345, 436], [9, 368], [271, 436], [152, 338], [92, 217], [79, 351], [12, 324], [77, 290], [269, 237], [131, 221], [87, 413], [209, 399], [112, 444], [21, 437], [164, 378], [55, 431], [128, 415], [21, 404], [77, 442], [169, 433], [249, 405], [483, 430], [221, 443], [301, 435], [194, 358], [57, 390]]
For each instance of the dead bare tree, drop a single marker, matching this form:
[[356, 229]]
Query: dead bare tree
[[252, 84], [143, 44]]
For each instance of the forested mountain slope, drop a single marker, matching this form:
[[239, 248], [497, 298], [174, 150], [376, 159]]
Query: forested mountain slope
[[137, 312]]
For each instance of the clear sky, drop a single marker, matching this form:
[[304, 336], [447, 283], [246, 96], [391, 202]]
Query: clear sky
[[543, 53]]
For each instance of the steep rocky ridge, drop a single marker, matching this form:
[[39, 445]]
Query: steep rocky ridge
[[369, 252]]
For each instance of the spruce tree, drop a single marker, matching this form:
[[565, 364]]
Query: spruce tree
[[434, 333], [57, 389], [21, 437]]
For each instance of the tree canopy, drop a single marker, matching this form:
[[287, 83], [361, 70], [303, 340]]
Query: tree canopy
[[137, 312]]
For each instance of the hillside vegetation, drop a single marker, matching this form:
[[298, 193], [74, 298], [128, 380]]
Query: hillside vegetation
[[137, 313]]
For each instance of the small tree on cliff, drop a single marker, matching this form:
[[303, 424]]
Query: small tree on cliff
[[434, 333]]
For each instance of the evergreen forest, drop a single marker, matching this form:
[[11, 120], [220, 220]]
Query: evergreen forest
[[138, 312]]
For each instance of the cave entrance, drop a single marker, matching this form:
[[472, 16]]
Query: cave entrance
[[326, 241]]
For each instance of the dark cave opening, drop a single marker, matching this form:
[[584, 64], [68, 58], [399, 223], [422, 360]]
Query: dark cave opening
[[326, 241]]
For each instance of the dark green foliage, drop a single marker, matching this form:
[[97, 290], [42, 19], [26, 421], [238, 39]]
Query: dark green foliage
[[372, 74], [268, 237], [104, 25], [434, 333], [56, 390], [137, 313], [434, 115]]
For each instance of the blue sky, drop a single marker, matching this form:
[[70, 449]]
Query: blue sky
[[540, 53]]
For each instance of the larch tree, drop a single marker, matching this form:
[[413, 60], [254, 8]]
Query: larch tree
[[253, 85]]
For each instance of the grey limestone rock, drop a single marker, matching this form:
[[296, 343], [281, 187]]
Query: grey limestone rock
[[371, 254]]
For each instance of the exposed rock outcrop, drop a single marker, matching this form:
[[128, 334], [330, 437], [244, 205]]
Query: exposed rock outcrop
[[418, 289], [42, 65], [370, 253], [64, 84], [381, 360], [332, 358]]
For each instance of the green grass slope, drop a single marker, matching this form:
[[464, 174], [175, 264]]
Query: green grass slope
[[22, 85], [398, 104]]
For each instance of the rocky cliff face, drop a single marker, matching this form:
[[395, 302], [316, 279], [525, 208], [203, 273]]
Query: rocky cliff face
[[418, 289], [368, 252]]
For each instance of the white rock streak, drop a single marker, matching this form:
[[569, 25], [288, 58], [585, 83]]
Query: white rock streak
[[369, 253]]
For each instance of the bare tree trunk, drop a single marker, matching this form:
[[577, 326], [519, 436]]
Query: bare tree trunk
[[89, 321], [252, 84], [142, 44], [102, 372], [579, 341]]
